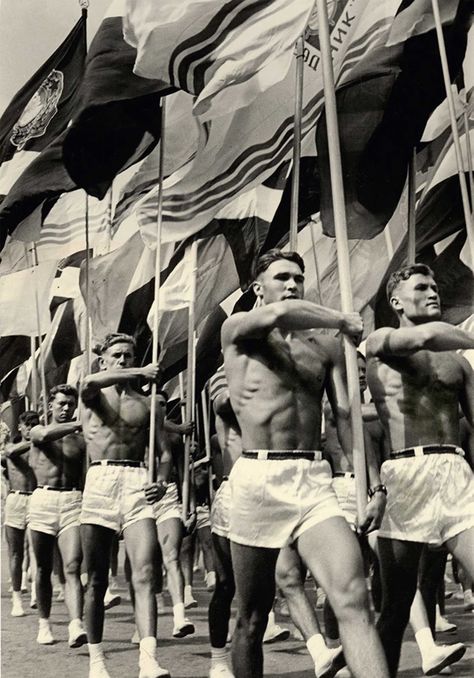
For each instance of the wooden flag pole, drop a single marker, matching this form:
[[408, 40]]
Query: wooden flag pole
[[207, 438], [156, 317], [190, 379], [88, 289], [469, 156], [468, 217], [316, 265], [411, 254], [34, 367], [44, 390], [343, 260], [295, 183]]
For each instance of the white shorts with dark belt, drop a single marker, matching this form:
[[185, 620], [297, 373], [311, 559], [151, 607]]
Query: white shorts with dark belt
[[278, 495], [169, 506], [54, 510], [430, 494], [220, 510], [345, 489], [114, 495], [16, 509]]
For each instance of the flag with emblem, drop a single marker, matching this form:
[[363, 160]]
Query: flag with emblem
[[42, 108]]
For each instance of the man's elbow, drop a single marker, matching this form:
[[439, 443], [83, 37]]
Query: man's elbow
[[38, 437]]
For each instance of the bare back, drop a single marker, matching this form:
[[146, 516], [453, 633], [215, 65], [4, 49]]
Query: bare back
[[116, 424], [417, 397], [59, 463], [20, 473], [276, 386]]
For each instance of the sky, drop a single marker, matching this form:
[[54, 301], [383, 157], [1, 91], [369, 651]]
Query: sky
[[30, 30]]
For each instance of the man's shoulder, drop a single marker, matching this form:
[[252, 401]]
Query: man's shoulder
[[375, 340]]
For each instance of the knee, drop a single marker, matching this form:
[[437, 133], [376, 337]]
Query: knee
[[171, 558], [143, 574], [288, 580], [72, 567], [348, 596], [225, 588]]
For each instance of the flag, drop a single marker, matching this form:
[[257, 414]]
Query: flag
[[416, 17], [117, 120], [19, 294], [224, 54], [382, 115], [239, 151], [42, 108]]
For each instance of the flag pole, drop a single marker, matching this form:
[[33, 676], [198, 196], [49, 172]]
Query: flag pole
[[88, 290], [454, 128], [40, 334], [207, 439], [469, 156], [316, 265], [190, 379], [295, 182], [343, 260], [34, 367], [411, 254], [156, 317]]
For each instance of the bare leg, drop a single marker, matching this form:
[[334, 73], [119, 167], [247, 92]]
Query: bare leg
[[205, 539], [462, 548], [430, 576], [170, 537], [43, 545], [219, 607], [254, 571], [69, 542], [332, 554], [187, 558], [399, 572], [15, 541], [96, 542], [142, 548]]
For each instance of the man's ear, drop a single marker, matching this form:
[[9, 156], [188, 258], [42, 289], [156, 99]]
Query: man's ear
[[257, 288], [101, 362], [396, 304]]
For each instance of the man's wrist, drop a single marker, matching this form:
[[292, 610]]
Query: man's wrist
[[377, 489]]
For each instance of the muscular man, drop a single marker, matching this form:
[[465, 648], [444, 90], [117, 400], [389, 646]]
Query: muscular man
[[116, 420], [22, 483], [417, 382], [57, 458], [281, 488]]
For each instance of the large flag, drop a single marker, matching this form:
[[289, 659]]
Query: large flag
[[241, 150], [223, 53], [382, 114], [117, 121], [42, 108], [24, 297]]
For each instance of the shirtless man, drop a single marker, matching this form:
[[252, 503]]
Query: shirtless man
[[418, 381], [281, 488], [22, 483], [57, 458], [116, 421]]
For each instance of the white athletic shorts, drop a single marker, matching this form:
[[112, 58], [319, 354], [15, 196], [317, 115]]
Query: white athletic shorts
[[169, 506], [430, 498], [17, 505], [53, 511], [345, 489], [114, 497], [275, 501], [220, 510], [203, 517]]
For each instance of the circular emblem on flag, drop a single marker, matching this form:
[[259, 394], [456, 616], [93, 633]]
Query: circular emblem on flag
[[40, 110], [313, 24]]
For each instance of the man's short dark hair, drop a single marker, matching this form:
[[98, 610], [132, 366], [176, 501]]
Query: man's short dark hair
[[115, 338], [28, 417], [65, 389], [403, 274], [264, 261]]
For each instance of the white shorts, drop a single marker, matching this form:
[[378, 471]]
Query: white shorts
[[53, 511], [169, 506], [203, 517], [345, 489], [220, 510], [430, 498], [16, 509], [275, 501], [114, 497]]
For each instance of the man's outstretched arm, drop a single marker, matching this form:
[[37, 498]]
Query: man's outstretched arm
[[287, 315], [433, 336], [45, 434], [93, 383]]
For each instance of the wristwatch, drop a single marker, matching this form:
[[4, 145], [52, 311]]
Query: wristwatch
[[375, 489]]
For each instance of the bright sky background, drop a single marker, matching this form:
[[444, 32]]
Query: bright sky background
[[30, 30]]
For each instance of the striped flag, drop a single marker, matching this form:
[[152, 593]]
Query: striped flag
[[242, 149], [223, 53]]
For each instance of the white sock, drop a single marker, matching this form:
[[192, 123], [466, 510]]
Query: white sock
[[316, 646], [43, 623], [16, 597], [468, 596], [218, 655], [271, 619], [75, 622], [96, 652], [188, 590], [424, 640], [178, 613], [147, 648]]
